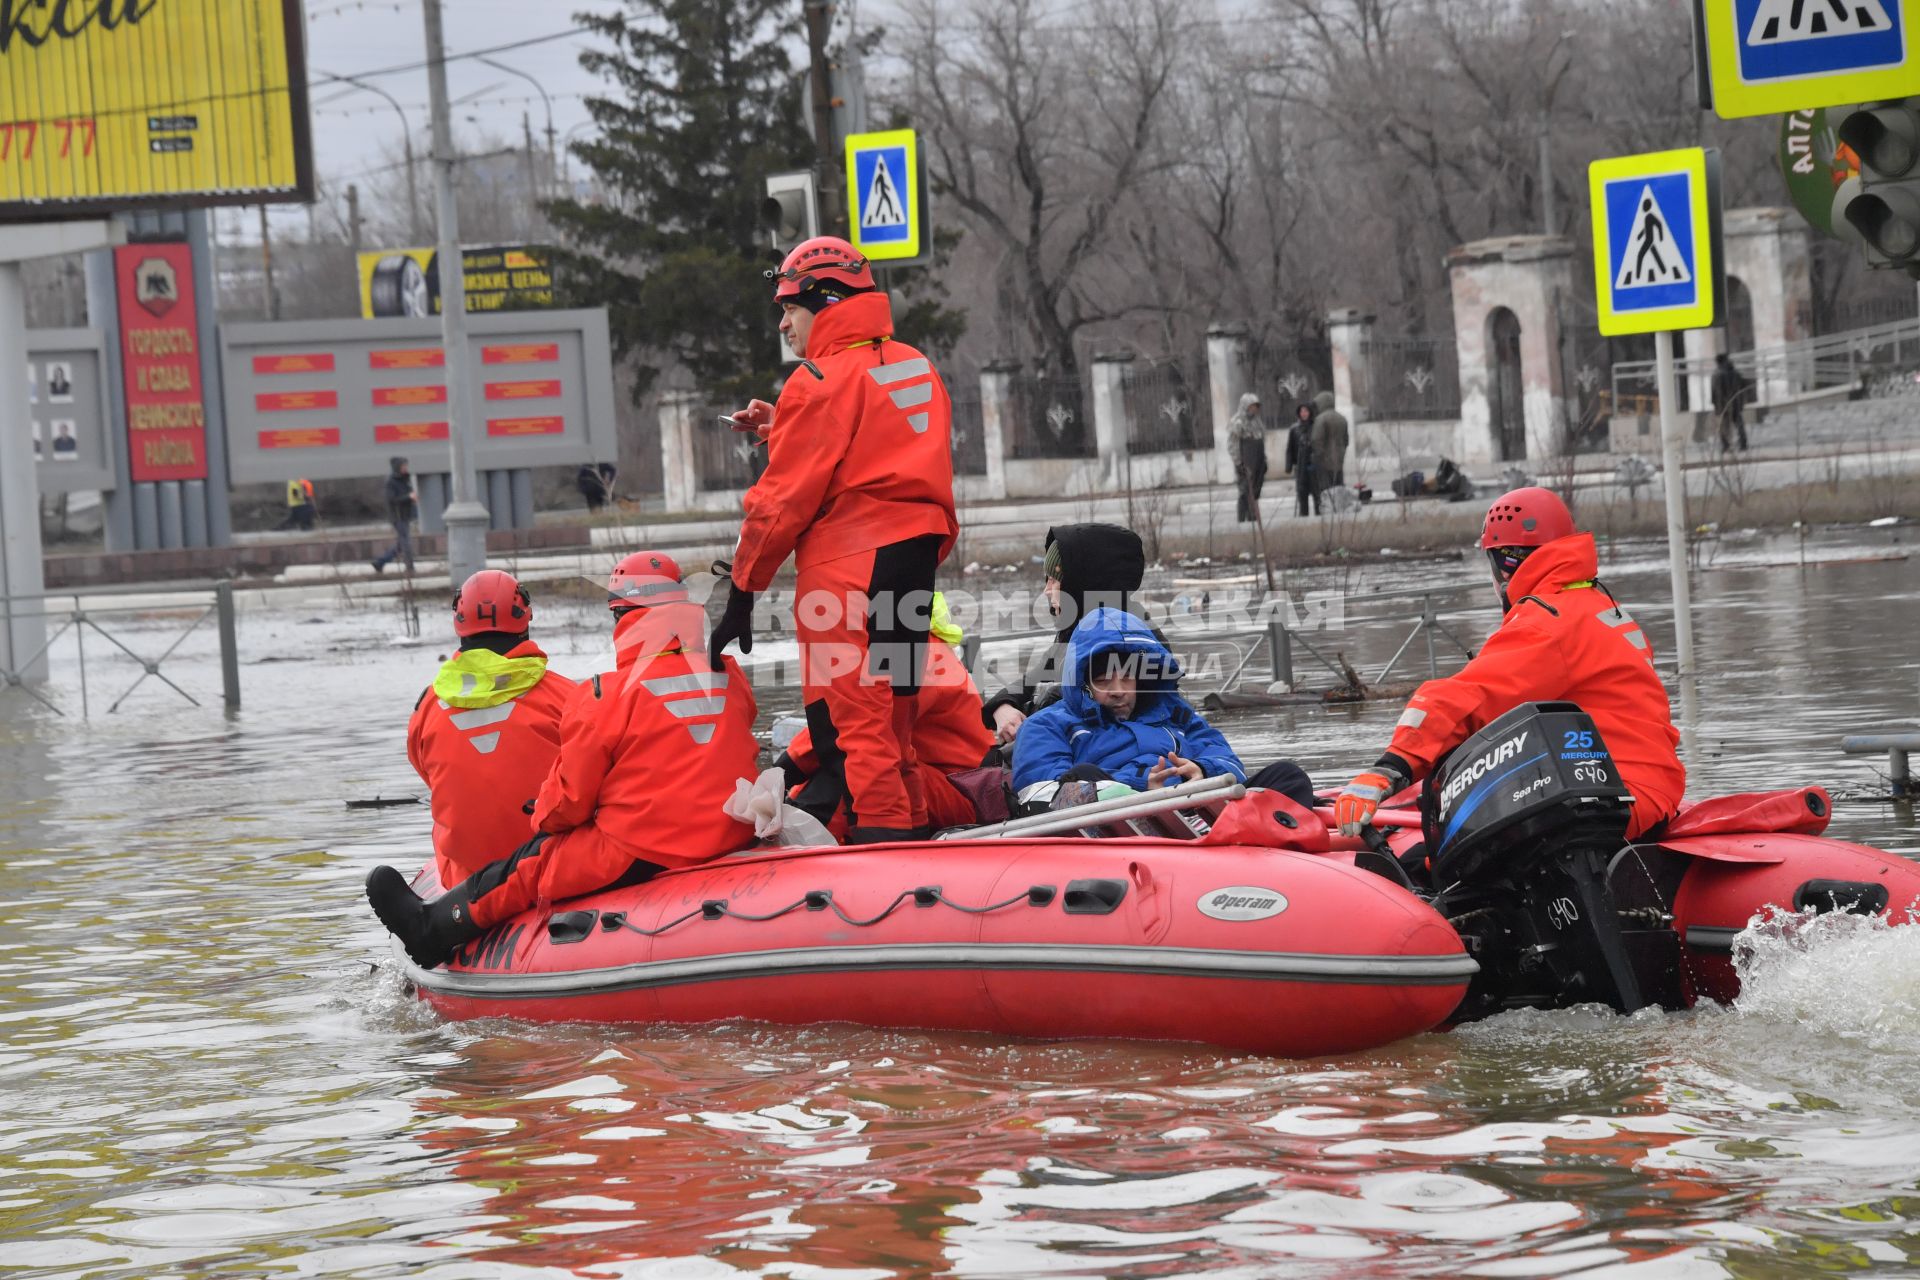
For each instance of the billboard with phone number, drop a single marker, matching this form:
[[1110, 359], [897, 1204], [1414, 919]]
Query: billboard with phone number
[[111, 104]]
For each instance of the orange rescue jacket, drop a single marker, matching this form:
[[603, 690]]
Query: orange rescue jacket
[[858, 456], [1564, 639], [650, 752], [482, 738]]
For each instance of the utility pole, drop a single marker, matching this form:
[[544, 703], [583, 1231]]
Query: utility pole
[[533, 171], [466, 516], [353, 223], [833, 203], [269, 296]]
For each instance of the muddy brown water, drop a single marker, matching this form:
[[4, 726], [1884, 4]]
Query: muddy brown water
[[205, 1069]]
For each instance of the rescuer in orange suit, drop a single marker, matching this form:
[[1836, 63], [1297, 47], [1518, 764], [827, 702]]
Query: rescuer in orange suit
[[486, 731], [859, 490], [1563, 638], [649, 755], [949, 735]]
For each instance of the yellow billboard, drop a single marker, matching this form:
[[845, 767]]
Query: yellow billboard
[[115, 104], [406, 282]]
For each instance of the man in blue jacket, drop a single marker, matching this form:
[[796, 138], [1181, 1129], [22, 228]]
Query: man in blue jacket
[[1121, 718]]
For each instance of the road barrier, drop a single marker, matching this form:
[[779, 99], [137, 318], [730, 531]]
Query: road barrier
[[85, 615]]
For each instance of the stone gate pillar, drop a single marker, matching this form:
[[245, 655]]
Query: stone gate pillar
[[1112, 432], [996, 421], [1349, 331], [1521, 275], [679, 476], [1767, 252], [1227, 380]]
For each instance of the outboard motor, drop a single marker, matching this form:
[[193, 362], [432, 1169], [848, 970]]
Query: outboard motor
[[1521, 821]]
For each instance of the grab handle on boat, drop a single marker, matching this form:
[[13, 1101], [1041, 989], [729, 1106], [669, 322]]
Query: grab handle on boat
[[1093, 897]]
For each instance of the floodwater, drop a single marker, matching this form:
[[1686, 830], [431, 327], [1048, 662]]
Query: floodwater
[[206, 1068]]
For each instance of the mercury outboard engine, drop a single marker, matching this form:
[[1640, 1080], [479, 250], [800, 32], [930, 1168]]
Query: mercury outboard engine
[[1521, 821]]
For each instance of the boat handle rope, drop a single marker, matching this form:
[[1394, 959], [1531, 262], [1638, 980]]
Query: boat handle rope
[[1038, 895]]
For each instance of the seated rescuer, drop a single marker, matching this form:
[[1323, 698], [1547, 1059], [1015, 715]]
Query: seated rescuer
[[1120, 717], [486, 731], [1562, 637], [649, 755], [948, 736], [859, 490], [1086, 566]]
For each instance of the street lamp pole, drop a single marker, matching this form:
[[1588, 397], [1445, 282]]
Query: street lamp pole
[[414, 232], [1546, 125], [466, 516], [552, 172]]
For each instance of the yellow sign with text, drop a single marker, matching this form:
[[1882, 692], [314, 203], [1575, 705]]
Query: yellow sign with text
[[116, 104], [406, 282]]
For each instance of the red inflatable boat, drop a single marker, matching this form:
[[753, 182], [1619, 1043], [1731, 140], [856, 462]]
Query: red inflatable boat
[[1204, 913]]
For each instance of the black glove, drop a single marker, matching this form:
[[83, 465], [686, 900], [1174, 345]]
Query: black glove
[[736, 623]]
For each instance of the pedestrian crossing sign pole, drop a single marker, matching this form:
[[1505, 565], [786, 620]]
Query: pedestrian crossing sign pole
[[1765, 57], [1657, 267], [886, 196]]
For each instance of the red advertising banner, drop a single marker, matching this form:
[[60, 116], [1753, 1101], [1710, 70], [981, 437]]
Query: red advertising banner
[[544, 388], [318, 362], [521, 353], [160, 358], [409, 395], [301, 438], [525, 426], [407, 358], [409, 432], [293, 401]]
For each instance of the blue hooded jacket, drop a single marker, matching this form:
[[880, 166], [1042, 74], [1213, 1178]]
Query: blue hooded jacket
[[1078, 730]]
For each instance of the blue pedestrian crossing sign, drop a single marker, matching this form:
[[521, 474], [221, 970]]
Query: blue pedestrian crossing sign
[[1656, 241], [885, 201], [1774, 56]]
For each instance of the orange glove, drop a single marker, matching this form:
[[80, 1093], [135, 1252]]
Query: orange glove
[[1354, 807]]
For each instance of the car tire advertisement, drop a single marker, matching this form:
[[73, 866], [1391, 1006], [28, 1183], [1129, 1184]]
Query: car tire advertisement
[[405, 283]]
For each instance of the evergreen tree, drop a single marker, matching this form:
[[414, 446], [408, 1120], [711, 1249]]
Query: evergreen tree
[[708, 105]]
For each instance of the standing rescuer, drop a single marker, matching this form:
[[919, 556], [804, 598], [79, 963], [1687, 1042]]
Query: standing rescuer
[[1562, 637], [486, 731], [649, 756], [859, 490]]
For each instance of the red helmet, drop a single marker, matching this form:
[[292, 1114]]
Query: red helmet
[[491, 600], [645, 579], [1526, 518], [825, 258]]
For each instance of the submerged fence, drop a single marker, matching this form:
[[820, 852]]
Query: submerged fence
[[79, 616]]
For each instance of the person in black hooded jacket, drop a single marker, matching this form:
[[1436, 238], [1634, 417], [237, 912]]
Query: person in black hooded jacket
[[1087, 566]]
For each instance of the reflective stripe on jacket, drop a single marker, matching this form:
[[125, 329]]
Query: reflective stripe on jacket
[[859, 454], [650, 752]]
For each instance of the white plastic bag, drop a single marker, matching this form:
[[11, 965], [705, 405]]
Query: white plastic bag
[[762, 802]]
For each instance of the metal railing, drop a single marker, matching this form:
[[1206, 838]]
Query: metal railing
[[1277, 640], [84, 615], [1814, 364]]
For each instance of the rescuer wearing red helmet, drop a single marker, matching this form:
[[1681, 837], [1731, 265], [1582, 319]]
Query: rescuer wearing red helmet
[[649, 755], [859, 489], [1563, 637], [485, 732]]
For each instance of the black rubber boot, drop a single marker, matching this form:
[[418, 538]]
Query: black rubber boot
[[430, 931], [887, 835]]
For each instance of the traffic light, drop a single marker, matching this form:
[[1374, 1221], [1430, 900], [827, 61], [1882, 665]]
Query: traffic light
[[791, 212], [1882, 205]]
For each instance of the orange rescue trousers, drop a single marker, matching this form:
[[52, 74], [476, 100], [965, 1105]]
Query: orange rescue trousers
[[862, 621]]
